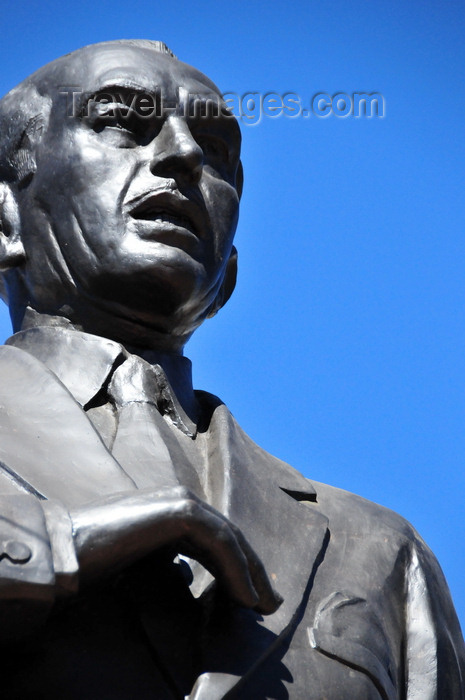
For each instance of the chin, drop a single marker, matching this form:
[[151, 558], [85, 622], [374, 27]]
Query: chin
[[162, 297]]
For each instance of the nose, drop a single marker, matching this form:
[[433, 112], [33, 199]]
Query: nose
[[177, 154]]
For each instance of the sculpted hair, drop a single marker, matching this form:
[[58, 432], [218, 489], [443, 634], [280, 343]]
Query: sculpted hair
[[23, 116]]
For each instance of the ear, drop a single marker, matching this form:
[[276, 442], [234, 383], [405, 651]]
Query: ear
[[11, 247], [227, 286]]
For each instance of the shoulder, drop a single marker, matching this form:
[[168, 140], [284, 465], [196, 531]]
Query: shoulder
[[375, 539], [358, 514], [372, 531]]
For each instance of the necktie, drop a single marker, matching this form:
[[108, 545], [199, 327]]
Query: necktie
[[145, 445]]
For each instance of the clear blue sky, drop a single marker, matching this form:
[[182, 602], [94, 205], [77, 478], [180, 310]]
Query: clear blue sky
[[342, 350]]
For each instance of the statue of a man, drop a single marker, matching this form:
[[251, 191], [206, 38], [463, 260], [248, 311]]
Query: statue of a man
[[149, 549]]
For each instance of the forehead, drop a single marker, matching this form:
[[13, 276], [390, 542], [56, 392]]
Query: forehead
[[94, 68]]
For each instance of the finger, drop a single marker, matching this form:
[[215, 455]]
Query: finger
[[217, 548], [231, 559], [269, 599]]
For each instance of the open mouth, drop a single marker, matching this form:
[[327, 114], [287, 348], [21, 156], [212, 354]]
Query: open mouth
[[161, 216], [168, 210]]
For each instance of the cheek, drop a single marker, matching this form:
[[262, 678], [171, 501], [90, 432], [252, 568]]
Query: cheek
[[77, 163], [80, 190], [222, 202]]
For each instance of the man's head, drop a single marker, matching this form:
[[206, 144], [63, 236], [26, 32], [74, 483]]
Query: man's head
[[121, 183]]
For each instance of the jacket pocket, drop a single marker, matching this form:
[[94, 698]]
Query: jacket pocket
[[347, 630]]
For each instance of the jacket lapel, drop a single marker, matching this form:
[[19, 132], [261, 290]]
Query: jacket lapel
[[48, 446], [274, 507]]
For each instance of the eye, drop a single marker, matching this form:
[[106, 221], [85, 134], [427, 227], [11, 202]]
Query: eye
[[117, 122], [115, 116], [214, 148]]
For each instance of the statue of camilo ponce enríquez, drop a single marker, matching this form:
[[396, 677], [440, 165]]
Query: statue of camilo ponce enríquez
[[149, 549]]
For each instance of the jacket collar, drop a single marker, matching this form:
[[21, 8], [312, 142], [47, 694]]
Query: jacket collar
[[82, 362], [59, 455], [85, 362]]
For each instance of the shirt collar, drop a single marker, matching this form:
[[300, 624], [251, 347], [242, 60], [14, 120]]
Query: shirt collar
[[84, 364]]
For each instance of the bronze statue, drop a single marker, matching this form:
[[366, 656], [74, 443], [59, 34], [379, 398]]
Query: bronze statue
[[150, 549]]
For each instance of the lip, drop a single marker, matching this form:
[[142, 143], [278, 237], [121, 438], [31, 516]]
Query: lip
[[168, 209]]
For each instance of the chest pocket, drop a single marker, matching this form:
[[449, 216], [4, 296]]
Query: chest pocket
[[347, 630]]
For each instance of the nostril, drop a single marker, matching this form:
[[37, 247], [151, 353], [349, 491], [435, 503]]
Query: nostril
[[178, 165], [177, 154]]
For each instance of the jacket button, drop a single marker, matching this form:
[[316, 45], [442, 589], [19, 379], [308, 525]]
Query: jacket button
[[16, 552]]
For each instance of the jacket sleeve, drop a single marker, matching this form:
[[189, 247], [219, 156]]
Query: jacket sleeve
[[434, 648], [37, 562]]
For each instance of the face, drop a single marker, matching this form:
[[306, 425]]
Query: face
[[133, 206]]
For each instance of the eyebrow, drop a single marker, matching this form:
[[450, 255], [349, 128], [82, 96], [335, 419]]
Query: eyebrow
[[119, 86], [123, 86]]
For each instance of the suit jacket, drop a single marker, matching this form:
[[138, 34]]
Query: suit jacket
[[367, 614]]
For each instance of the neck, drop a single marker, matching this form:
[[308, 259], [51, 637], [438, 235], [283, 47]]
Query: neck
[[127, 332], [177, 368]]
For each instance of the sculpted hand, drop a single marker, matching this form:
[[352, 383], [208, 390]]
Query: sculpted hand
[[111, 534]]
